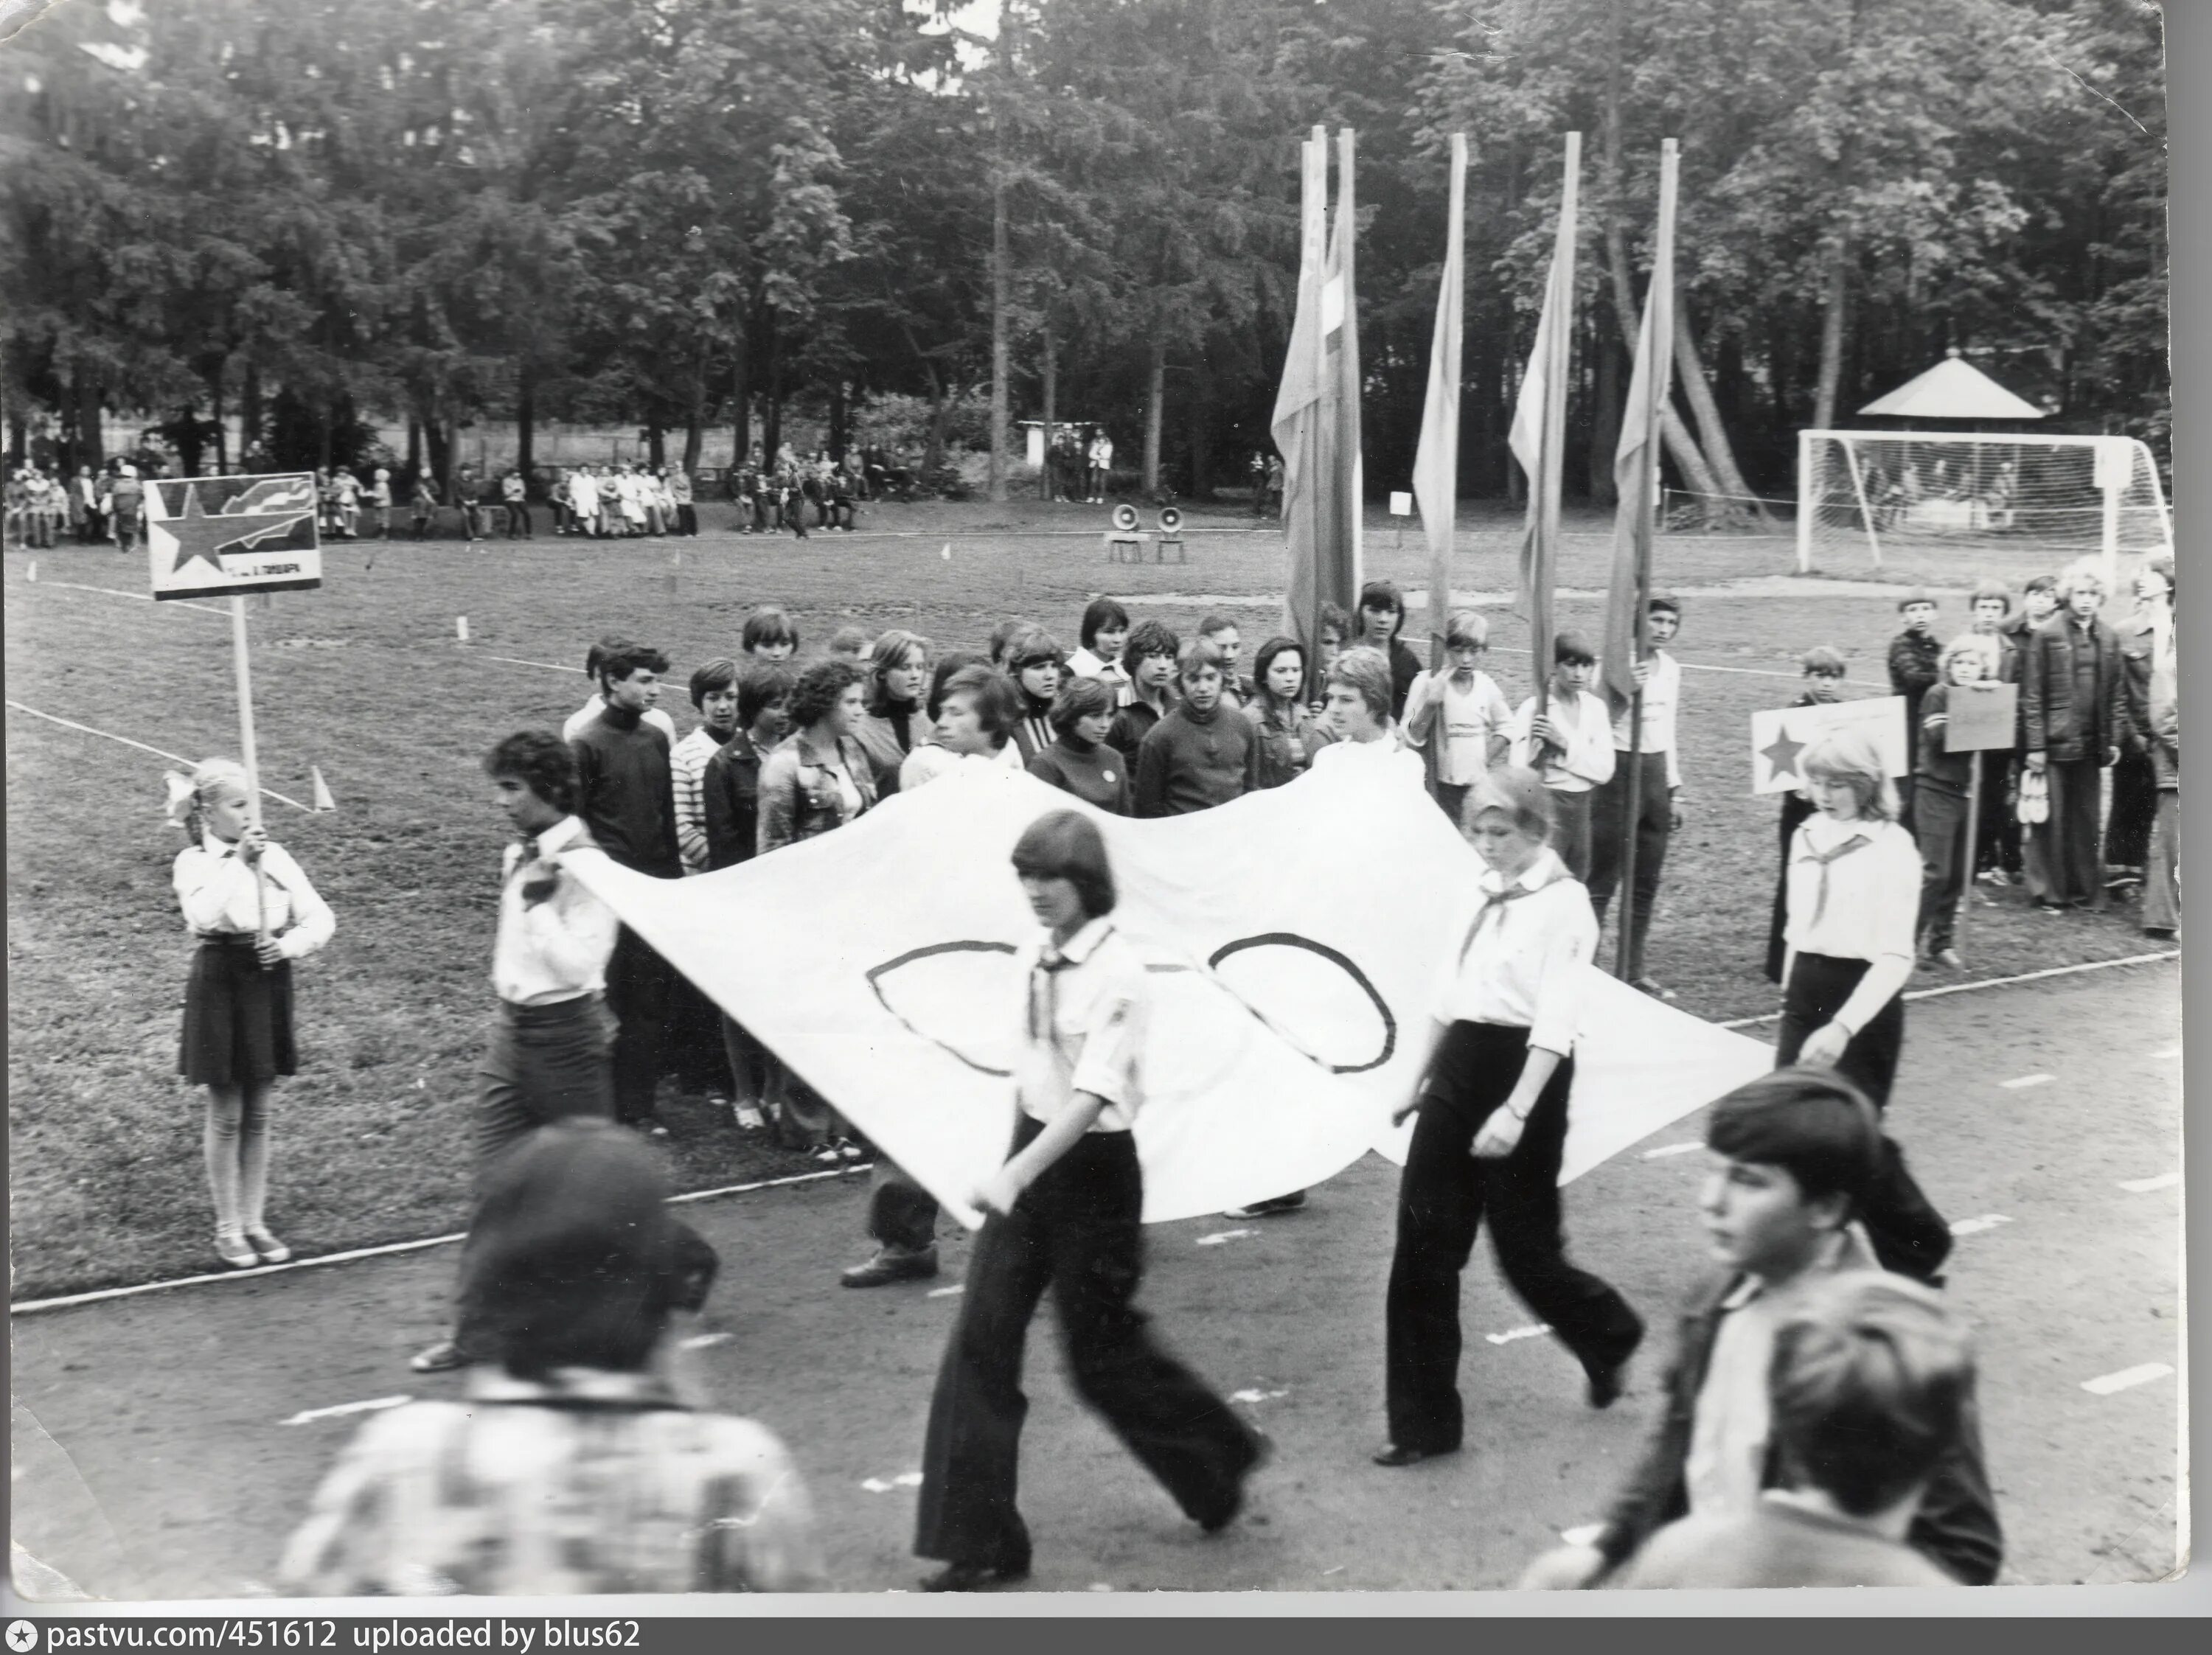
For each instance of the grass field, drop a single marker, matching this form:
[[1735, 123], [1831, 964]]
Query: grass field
[[367, 679]]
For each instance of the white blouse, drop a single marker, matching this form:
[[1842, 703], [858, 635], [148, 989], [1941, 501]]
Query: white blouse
[[214, 887], [1588, 761], [1854, 889], [1524, 959], [1084, 1009]]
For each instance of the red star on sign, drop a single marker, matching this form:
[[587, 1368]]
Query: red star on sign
[[200, 537]]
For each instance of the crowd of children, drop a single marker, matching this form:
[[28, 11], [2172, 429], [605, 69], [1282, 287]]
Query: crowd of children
[[1819, 1425]]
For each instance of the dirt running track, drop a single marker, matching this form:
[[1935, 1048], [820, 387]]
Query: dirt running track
[[150, 1458]]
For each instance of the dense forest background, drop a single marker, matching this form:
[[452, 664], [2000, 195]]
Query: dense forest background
[[711, 216]]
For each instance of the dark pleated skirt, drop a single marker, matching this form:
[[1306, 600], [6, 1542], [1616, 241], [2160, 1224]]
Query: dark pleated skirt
[[237, 1017]]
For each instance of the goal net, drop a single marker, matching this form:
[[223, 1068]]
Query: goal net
[[1865, 494]]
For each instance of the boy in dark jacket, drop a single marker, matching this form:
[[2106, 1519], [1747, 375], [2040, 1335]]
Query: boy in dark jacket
[[1914, 655], [2070, 695], [1796, 1148], [1205, 752]]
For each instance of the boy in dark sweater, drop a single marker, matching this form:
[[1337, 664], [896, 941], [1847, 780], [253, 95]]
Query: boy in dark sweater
[[1941, 782], [1204, 752], [626, 795]]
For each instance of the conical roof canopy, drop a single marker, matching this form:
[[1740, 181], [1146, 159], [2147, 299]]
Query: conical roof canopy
[[1953, 390]]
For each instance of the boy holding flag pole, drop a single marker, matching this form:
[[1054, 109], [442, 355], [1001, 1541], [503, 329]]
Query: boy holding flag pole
[[1626, 667]]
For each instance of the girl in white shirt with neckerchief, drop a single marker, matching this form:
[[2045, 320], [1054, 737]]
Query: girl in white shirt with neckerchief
[[1493, 1105], [1853, 878], [253, 913]]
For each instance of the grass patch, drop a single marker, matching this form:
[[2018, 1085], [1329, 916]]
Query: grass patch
[[372, 1135]]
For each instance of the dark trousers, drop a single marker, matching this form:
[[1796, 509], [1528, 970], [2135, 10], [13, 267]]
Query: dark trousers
[[1655, 823], [543, 1063], [1451, 798], [637, 992], [749, 1062], [1443, 1197], [1075, 1231], [1941, 837], [1571, 830], [2161, 898], [2063, 866], [1909, 1235], [518, 520], [1998, 829], [686, 518], [901, 1214], [2135, 809]]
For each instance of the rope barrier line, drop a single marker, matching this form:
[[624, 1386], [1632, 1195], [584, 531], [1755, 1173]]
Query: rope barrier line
[[389, 1249], [517, 661], [173, 758]]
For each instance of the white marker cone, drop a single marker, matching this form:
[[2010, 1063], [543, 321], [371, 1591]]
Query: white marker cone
[[461, 628], [321, 799], [31, 570], [947, 553]]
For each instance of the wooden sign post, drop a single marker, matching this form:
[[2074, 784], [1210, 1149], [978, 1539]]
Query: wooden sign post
[[232, 537], [1979, 719]]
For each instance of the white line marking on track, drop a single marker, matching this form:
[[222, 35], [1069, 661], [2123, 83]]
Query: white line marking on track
[[387, 1250], [141, 598], [2126, 1378], [307, 1416], [2145, 1186], [175, 758], [1990, 982], [517, 661], [956, 1289], [875, 1485], [2018, 1081], [1666, 1149], [1537, 1330], [1585, 1535], [1976, 1226], [1220, 1236], [706, 1341], [1256, 1396]]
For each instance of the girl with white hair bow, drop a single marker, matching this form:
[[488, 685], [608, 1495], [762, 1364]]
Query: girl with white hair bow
[[253, 913]]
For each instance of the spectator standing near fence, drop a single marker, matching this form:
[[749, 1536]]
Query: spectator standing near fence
[[2135, 779], [1915, 657], [1658, 791], [514, 494], [730, 791]]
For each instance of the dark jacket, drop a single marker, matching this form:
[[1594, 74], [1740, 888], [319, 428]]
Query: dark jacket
[[1956, 1526], [729, 792], [879, 736], [1132, 724], [2053, 719], [2138, 641], [1915, 668]]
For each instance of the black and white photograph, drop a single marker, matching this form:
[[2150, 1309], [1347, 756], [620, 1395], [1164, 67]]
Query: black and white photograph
[[1041, 801]]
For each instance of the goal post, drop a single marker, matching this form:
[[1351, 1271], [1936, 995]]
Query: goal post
[[1861, 494]]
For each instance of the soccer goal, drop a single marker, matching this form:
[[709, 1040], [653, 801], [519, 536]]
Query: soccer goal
[[1862, 493]]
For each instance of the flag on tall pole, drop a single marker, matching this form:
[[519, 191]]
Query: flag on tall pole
[[1538, 436], [1635, 462], [1636, 479], [1341, 330], [1436, 461], [1296, 422]]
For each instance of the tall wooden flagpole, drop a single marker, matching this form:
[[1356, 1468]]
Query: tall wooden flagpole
[[1555, 419], [1658, 341]]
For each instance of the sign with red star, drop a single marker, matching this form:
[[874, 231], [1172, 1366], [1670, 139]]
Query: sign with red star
[[1779, 738], [213, 537]]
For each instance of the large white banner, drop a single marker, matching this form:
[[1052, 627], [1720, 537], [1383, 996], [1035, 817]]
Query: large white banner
[[1295, 937]]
